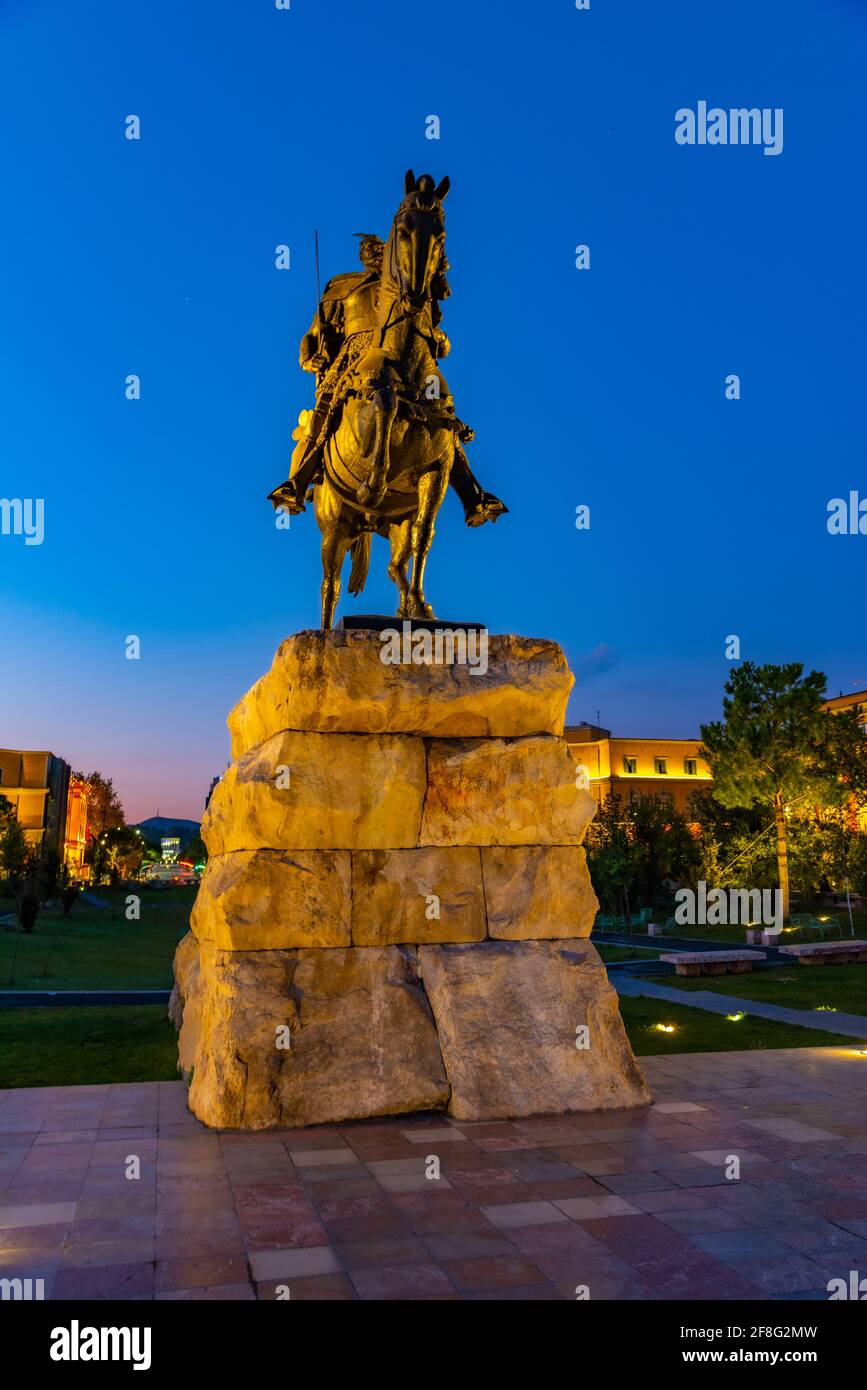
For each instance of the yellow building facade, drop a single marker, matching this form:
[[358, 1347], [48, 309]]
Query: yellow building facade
[[638, 766], [75, 841], [49, 803], [857, 701], [648, 766]]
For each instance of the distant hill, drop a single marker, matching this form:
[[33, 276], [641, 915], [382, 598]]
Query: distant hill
[[155, 827]]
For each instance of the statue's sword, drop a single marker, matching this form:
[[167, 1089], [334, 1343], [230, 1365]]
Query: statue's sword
[[318, 290]]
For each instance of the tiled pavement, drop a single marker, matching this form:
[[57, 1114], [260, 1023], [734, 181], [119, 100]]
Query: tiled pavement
[[630, 1204]]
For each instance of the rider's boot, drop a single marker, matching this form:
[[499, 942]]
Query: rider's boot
[[479, 506], [292, 493]]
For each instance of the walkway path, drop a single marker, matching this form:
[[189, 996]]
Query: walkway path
[[852, 1024], [631, 1204], [63, 998]]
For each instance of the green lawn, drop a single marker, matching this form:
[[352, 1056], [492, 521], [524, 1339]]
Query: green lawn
[[96, 947], [842, 987], [625, 952], [727, 934], [697, 1031], [83, 1047]]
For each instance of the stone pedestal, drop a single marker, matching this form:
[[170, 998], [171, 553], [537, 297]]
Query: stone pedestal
[[395, 911]]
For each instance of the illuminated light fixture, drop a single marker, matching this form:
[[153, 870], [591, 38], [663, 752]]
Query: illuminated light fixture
[[664, 1027], [735, 1018], [825, 1009]]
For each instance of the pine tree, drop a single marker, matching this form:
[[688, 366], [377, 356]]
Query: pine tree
[[777, 747]]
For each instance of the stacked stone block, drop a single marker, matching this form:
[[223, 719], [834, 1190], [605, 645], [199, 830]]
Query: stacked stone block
[[395, 910]]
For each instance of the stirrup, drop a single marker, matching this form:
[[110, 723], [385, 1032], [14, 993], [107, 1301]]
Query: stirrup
[[487, 508], [286, 496]]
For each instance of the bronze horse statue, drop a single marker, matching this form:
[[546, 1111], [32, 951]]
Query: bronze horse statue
[[390, 435]]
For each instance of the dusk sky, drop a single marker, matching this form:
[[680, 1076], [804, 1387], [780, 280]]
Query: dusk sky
[[603, 387]]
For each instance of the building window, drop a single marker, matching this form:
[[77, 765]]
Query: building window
[[630, 765], [660, 766], [690, 767]]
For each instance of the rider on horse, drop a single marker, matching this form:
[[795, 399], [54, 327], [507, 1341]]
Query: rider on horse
[[342, 332]]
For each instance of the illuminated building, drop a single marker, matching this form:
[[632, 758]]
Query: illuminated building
[[37, 784], [171, 849], [652, 765], [75, 841], [645, 766], [49, 803], [856, 701]]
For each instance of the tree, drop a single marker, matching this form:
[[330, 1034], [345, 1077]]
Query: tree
[[635, 849], [123, 849], [734, 845], [96, 855], [666, 851], [117, 853], [778, 748], [825, 853], [104, 809], [68, 899], [37, 877], [28, 911], [194, 851], [13, 846], [608, 855]]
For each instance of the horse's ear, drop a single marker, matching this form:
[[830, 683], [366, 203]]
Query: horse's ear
[[442, 188], [409, 182]]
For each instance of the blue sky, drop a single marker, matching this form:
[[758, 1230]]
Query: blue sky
[[603, 387]]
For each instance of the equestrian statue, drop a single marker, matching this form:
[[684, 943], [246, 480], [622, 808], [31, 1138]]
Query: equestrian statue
[[383, 443]]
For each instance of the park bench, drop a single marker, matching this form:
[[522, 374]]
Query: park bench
[[828, 952], [713, 962]]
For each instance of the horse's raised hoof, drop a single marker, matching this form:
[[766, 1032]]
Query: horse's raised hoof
[[488, 508]]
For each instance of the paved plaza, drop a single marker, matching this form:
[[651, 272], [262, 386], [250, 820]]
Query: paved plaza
[[625, 1204]]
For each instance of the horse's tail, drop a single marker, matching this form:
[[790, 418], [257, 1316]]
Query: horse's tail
[[360, 552]]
